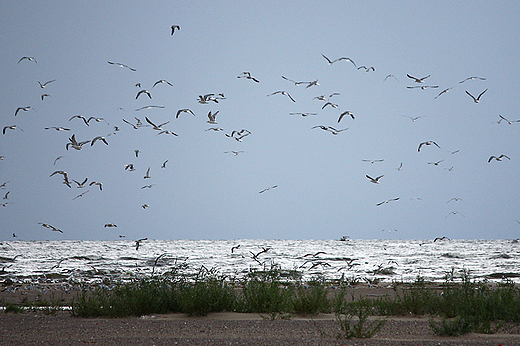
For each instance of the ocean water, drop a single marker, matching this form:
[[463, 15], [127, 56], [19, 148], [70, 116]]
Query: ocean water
[[387, 260]]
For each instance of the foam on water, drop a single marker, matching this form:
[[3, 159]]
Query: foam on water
[[384, 259]]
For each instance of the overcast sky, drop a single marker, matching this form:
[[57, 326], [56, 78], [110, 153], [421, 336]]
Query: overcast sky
[[317, 177]]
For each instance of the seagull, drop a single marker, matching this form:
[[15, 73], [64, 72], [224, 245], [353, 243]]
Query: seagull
[[43, 85], [74, 144], [322, 97], [435, 163], [79, 116], [63, 173], [103, 139], [234, 248], [147, 186], [212, 117], [303, 114], [313, 83], [205, 99], [400, 167], [129, 123], [413, 119], [96, 183], [386, 201], [456, 199], [122, 65], [417, 80], [367, 69], [499, 158], [11, 127], [241, 134], [442, 92], [25, 109], [82, 184], [28, 58], [235, 153], [215, 129], [56, 159], [50, 227], [6, 196], [3, 185], [453, 213], [269, 188], [160, 81], [185, 110], [376, 180], [148, 107], [97, 120], [345, 113], [137, 151], [330, 129], [147, 175], [143, 91], [81, 195], [144, 206], [441, 238], [173, 27], [155, 127], [138, 242], [110, 225], [57, 128], [372, 161], [44, 96], [283, 92], [507, 121], [295, 82], [333, 105], [168, 132], [476, 100], [247, 75], [390, 75], [129, 167], [427, 143], [338, 59], [471, 78], [422, 87]]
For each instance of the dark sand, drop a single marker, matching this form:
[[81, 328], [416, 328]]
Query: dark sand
[[37, 328]]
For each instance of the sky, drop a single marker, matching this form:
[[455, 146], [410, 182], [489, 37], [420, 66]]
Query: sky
[[316, 179]]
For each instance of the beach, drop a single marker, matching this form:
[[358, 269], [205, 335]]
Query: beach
[[34, 327]]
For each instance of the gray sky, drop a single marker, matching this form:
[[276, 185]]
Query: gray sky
[[205, 193]]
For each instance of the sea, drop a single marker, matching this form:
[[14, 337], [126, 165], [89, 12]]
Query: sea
[[350, 259]]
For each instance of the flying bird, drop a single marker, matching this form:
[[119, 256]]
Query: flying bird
[[349, 113], [441, 238], [25, 109], [427, 143], [339, 59], [387, 201], [143, 91], [11, 127], [269, 188], [81, 195], [28, 58], [138, 242], [43, 85], [74, 143], [82, 184], [155, 127], [417, 80], [283, 92], [79, 116], [372, 161], [442, 92], [247, 75], [212, 117], [499, 158], [175, 27], [98, 138], [390, 76], [96, 183], [129, 167], [147, 175], [52, 228], [476, 100], [185, 110], [122, 65], [510, 122], [160, 81], [374, 180], [58, 128], [367, 69], [302, 114], [148, 107], [110, 225], [413, 119], [471, 78]]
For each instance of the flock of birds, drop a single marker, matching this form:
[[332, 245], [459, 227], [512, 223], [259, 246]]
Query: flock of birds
[[137, 123]]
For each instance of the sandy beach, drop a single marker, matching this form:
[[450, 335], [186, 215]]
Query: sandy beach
[[37, 328]]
